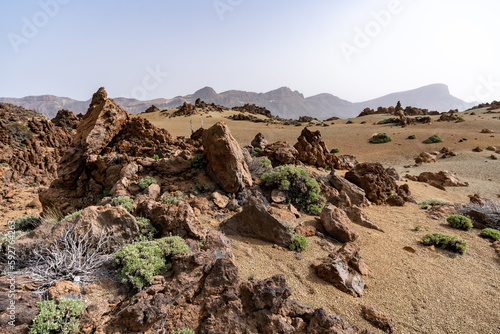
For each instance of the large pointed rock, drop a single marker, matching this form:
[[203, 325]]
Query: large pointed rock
[[226, 163], [256, 222]]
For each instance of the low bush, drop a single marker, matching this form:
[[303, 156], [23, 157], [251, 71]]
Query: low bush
[[199, 161], [349, 122], [412, 137], [146, 229], [174, 198], [462, 140], [387, 121], [27, 223], [147, 181], [259, 166], [335, 150], [303, 191], [58, 318], [156, 157], [19, 131], [433, 139], [445, 241], [490, 233], [106, 191], [459, 222], [138, 263], [123, 201], [380, 138], [183, 331], [429, 202], [364, 122], [299, 243], [4, 164], [72, 215], [203, 187]]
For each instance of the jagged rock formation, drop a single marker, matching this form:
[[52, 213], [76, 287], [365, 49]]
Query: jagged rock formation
[[105, 142], [31, 145], [152, 109], [259, 141], [254, 109]]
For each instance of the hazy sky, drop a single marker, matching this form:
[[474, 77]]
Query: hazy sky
[[356, 50]]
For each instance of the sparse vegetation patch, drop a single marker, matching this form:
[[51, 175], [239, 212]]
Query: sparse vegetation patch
[[380, 138], [490, 233], [445, 241], [58, 318], [433, 139], [459, 222]]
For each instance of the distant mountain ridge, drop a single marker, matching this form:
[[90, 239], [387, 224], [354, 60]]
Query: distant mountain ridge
[[282, 102]]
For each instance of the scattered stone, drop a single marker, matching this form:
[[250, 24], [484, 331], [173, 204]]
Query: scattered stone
[[442, 178], [425, 158], [410, 249], [220, 200], [61, 288], [305, 231], [379, 319], [487, 131], [278, 196], [491, 148], [478, 149], [337, 224], [256, 222]]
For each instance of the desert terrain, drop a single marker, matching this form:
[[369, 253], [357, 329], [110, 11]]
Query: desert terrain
[[422, 289]]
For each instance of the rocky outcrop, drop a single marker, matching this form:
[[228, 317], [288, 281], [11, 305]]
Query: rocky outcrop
[[256, 222], [380, 188], [152, 109], [243, 117], [205, 293], [312, 149], [105, 142], [337, 224], [425, 158], [253, 109], [226, 163], [66, 119], [30, 145], [344, 269]]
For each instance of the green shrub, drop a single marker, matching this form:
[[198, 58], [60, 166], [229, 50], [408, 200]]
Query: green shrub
[[146, 229], [298, 124], [156, 157], [257, 149], [106, 191], [445, 241], [174, 198], [490, 233], [412, 137], [364, 122], [417, 228], [123, 201], [199, 161], [60, 318], [264, 162], [303, 191], [183, 331], [27, 223], [203, 187], [387, 121], [460, 222], [299, 243], [147, 181], [72, 215], [380, 138], [433, 139], [462, 140], [349, 122], [428, 202], [138, 263], [4, 164], [19, 131], [335, 150]]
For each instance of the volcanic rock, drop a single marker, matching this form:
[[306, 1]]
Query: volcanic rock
[[280, 153], [256, 222], [442, 178], [225, 159], [378, 319], [152, 109], [259, 141], [337, 224], [378, 185]]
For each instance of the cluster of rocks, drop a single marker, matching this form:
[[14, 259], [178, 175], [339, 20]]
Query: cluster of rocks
[[451, 116], [243, 117], [31, 145], [430, 157], [208, 106], [254, 109], [439, 180], [310, 149], [408, 111]]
